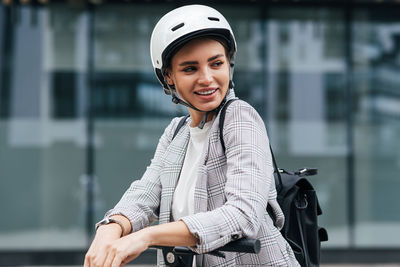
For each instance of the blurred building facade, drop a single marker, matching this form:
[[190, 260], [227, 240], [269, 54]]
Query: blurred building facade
[[81, 110]]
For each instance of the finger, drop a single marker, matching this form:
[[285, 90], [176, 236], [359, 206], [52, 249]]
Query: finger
[[100, 258], [117, 260], [109, 259], [86, 263], [129, 259], [89, 259]]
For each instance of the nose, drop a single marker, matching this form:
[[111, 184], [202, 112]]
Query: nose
[[205, 76]]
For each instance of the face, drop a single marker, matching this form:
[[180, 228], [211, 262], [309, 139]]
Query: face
[[200, 73]]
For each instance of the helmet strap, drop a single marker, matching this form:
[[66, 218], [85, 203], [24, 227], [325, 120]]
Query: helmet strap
[[176, 100], [231, 85], [204, 120]]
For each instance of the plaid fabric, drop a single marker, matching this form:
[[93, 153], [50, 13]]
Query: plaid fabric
[[231, 194]]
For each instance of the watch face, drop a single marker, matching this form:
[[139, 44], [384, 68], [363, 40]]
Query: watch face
[[103, 222]]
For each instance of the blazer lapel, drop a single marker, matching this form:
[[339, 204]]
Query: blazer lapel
[[172, 161]]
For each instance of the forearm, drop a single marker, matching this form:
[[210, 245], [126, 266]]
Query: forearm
[[169, 234], [122, 228], [127, 227]]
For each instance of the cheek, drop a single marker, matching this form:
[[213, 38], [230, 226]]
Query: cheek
[[224, 75], [184, 81], [182, 85]]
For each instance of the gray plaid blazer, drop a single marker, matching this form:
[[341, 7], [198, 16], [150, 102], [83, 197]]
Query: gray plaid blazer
[[231, 193]]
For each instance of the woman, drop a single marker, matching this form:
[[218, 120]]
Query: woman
[[202, 196]]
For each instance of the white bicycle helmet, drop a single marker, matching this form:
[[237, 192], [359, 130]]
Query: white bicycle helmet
[[178, 27]]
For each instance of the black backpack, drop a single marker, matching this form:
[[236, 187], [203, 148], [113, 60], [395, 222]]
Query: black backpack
[[299, 203]]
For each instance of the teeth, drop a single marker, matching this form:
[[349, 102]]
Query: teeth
[[209, 92]]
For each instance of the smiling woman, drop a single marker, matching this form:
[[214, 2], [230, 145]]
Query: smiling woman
[[203, 196], [200, 74]]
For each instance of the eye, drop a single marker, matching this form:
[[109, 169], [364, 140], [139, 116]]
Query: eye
[[189, 69], [217, 63]]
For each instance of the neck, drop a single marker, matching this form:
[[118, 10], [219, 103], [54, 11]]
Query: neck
[[197, 117]]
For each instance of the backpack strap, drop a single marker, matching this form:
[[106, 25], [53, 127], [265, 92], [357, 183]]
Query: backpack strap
[[221, 122], [279, 186], [180, 124]]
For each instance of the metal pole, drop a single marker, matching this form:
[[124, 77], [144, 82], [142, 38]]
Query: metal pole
[[264, 58], [349, 8], [90, 167], [7, 53]]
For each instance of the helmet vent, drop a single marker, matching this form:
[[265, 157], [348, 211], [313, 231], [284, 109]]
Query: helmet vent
[[213, 18], [177, 26]]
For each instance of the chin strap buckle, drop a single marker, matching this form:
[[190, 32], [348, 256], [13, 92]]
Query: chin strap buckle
[[175, 99], [204, 120]]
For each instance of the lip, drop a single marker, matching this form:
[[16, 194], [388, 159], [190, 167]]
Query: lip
[[208, 97], [203, 90]]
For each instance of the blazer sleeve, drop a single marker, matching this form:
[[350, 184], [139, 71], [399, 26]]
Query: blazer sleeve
[[249, 177], [140, 203]]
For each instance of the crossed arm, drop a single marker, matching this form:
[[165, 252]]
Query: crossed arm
[[247, 192], [110, 249]]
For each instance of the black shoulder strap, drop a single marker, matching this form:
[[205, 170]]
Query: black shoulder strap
[[221, 137], [180, 124], [221, 122]]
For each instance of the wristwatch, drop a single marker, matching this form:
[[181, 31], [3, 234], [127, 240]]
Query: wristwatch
[[108, 220]]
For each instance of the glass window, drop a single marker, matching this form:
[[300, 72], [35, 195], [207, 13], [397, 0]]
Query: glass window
[[249, 62], [290, 65], [305, 116], [130, 107], [376, 49], [41, 155]]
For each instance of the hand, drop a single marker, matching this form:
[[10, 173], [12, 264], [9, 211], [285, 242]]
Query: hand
[[108, 250], [125, 249], [105, 236]]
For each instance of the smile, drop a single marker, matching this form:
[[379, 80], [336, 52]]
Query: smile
[[207, 92]]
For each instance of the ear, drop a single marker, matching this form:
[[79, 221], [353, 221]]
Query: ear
[[168, 78]]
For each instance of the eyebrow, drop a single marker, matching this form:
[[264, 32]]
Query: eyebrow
[[185, 63]]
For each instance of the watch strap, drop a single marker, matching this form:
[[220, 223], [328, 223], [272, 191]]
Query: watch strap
[[108, 220]]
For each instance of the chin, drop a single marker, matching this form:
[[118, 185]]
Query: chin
[[211, 106]]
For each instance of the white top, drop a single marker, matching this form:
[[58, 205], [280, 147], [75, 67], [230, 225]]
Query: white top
[[183, 200]]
